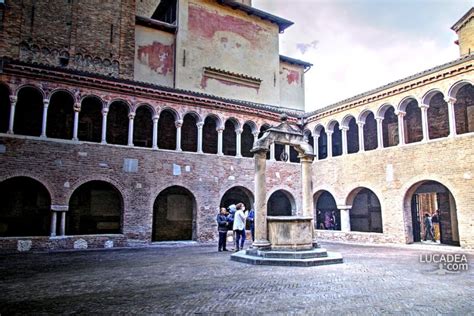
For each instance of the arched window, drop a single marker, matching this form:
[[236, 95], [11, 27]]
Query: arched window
[[414, 129], [173, 213], [322, 143], [60, 115], [117, 123], [464, 109], [95, 207], [29, 112], [25, 208], [370, 132], [209, 135], [5, 108], [229, 138], [327, 214], [336, 140], [390, 127], [143, 127], [189, 132], [438, 117], [247, 140], [281, 203], [90, 120], [352, 136], [366, 214], [167, 130]]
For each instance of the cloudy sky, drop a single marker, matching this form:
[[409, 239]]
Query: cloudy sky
[[358, 45]]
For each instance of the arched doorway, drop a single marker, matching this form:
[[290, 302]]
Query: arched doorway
[[25, 208], [366, 213], [95, 207], [237, 195], [281, 203], [174, 212], [327, 214], [434, 199]]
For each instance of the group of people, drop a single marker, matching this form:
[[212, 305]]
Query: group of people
[[326, 220], [234, 218]]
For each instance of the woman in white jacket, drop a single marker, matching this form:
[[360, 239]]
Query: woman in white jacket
[[240, 219]]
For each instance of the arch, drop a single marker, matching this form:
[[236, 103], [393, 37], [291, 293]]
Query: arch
[[122, 101], [402, 105], [60, 115], [363, 115], [194, 114], [29, 111], [414, 130], [327, 214], [454, 89], [90, 119], [320, 132], [433, 198], [350, 123], [5, 107], [383, 109], [95, 207], [235, 122], [172, 111], [237, 194], [174, 213], [426, 99], [437, 114], [218, 121], [336, 140], [247, 139], [229, 137], [370, 130], [331, 124], [210, 135], [366, 212], [390, 132], [252, 125], [117, 122], [167, 129], [281, 203], [149, 107], [464, 108], [31, 86], [189, 132], [143, 126], [25, 209]]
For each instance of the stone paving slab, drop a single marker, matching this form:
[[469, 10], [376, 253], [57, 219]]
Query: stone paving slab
[[199, 280]]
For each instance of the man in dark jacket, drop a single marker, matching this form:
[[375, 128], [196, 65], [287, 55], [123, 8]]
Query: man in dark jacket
[[222, 228]]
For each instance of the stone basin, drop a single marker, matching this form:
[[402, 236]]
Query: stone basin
[[290, 232]]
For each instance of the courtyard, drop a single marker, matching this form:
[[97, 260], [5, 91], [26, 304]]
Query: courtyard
[[196, 279]]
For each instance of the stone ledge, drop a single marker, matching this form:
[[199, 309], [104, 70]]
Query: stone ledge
[[331, 258]]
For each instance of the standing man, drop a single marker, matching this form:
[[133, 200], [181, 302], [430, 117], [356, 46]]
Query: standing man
[[222, 228], [251, 219], [239, 226], [428, 227]]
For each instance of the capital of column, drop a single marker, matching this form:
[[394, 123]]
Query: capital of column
[[360, 123], [449, 99], [400, 113], [379, 118], [156, 118], [77, 107], [260, 153], [220, 129], [238, 131], [305, 159], [344, 207], [178, 123], [105, 111], [329, 133], [344, 128], [13, 99], [255, 134], [131, 115], [423, 106], [200, 124], [46, 103]]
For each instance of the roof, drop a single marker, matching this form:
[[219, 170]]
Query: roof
[[462, 21], [393, 84], [159, 25], [282, 23], [295, 61]]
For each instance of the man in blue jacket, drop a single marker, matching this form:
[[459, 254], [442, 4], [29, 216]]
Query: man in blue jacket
[[222, 228]]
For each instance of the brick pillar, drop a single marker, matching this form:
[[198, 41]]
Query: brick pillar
[[424, 121], [451, 116], [200, 126], [178, 125], [379, 132], [360, 126], [77, 110], [13, 100], [131, 118], [155, 132], [45, 117], [104, 125], [238, 142]]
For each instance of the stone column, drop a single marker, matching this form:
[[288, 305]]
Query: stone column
[[220, 132], [424, 121], [272, 152], [316, 146], [329, 143], [360, 126], [53, 223], [306, 185], [287, 151], [401, 127], [379, 132], [155, 132], [62, 227], [45, 117], [178, 125], [344, 130], [77, 110], [200, 126], [13, 100], [451, 116], [255, 137], [345, 217], [104, 125], [131, 118], [261, 234], [238, 142]]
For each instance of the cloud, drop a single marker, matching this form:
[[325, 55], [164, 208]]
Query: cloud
[[304, 47]]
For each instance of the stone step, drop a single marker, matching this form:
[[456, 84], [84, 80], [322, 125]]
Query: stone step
[[331, 258], [302, 254]]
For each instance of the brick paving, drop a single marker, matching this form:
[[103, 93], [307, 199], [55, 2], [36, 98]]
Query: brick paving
[[373, 280]]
